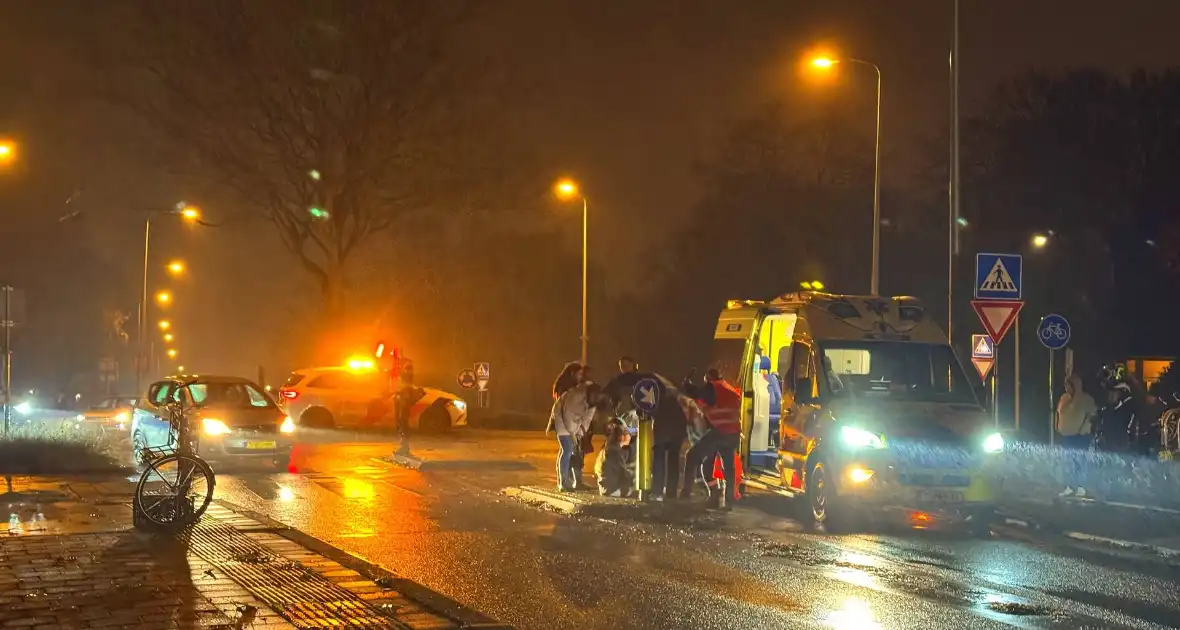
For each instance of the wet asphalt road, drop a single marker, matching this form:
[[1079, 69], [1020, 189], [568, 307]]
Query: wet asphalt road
[[756, 567]]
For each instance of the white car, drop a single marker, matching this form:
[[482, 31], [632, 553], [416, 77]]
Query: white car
[[357, 397]]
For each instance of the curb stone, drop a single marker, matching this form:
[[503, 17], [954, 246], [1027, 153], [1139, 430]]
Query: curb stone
[[1167, 552], [439, 603], [593, 505], [416, 463]]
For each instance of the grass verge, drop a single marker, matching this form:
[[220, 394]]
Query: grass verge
[[56, 450]]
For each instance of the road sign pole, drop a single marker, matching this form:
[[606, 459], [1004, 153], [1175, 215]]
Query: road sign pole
[[995, 403], [1052, 407], [643, 456], [1054, 333], [1016, 377]]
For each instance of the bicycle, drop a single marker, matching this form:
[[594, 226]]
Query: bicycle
[[176, 486]]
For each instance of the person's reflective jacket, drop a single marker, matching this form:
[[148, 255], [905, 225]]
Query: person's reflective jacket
[[722, 404]]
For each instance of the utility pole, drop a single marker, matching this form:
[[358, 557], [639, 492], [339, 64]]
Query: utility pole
[[8, 323], [953, 228]]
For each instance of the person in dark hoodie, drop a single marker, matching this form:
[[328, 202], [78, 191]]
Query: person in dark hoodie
[[668, 434]]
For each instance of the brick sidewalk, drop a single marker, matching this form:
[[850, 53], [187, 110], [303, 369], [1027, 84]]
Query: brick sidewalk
[[70, 564]]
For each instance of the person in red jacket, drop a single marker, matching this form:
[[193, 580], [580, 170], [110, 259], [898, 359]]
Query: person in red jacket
[[721, 403]]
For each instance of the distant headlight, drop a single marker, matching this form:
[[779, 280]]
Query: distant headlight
[[459, 404], [993, 443], [23, 409], [288, 425], [859, 438], [79, 417], [212, 426]]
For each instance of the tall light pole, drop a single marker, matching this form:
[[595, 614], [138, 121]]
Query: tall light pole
[[187, 213], [953, 188], [827, 63], [7, 157], [567, 189]]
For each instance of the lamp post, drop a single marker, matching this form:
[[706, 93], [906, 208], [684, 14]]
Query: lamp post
[[567, 189], [828, 63], [187, 213]]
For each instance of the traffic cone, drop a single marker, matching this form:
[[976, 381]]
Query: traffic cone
[[719, 473]]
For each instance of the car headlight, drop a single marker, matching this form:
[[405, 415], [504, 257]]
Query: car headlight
[[288, 425], [23, 409], [993, 443], [212, 426], [859, 438], [459, 404], [121, 417]]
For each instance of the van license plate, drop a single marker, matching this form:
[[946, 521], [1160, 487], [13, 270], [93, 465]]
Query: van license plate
[[259, 445], [939, 496]]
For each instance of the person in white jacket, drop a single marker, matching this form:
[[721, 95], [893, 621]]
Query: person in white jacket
[[571, 416], [1076, 413]]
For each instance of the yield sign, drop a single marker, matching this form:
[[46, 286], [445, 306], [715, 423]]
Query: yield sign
[[983, 366], [997, 316]]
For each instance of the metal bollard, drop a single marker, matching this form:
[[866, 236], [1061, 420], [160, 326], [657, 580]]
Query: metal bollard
[[643, 457]]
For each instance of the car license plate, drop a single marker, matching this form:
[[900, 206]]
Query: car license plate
[[259, 445], [939, 496]]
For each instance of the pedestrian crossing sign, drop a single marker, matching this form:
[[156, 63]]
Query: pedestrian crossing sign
[[982, 347], [998, 276]]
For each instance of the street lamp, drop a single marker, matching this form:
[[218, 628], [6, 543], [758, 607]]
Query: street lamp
[[1039, 241], [566, 190], [7, 152], [171, 353], [165, 324], [175, 268], [188, 213], [827, 63], [164, 298], [168, 337]]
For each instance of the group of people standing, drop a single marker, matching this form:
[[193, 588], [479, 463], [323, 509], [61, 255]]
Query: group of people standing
[[1123, 418], [707, 414]]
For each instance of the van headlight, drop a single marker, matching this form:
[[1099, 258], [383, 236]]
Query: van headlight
[[212, 426], [856, 437], [459, 404], [288, 425], [993, 443]]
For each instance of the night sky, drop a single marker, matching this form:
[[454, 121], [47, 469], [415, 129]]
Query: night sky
[[622, 95]]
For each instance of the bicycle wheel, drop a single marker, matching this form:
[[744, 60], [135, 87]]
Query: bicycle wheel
[[174, 490]]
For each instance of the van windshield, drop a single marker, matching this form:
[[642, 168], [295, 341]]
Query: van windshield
[[897, 370]]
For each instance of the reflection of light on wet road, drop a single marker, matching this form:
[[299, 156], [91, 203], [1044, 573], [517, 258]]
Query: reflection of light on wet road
[[855, 576], [361, 489], [854, 614], [852, 557]]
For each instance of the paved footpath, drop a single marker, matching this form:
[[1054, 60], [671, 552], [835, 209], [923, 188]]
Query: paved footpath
[[71, 559]]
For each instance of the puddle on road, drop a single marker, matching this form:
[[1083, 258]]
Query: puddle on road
[[1017, 608], [878, 573]]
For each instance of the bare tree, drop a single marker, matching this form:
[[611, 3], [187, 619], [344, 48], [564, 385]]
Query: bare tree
[[334, 120]]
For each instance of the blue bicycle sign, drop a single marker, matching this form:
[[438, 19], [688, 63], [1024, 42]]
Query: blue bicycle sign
[[1054, 332]]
